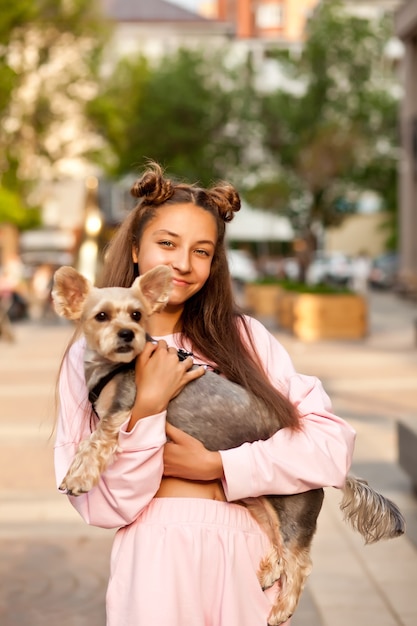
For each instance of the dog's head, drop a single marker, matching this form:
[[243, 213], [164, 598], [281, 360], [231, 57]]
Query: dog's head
[[113, 319]]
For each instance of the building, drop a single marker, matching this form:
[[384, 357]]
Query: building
[[280, 20], [406, 28], [158, 28]]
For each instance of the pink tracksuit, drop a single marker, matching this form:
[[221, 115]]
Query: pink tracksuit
[[180, 561]]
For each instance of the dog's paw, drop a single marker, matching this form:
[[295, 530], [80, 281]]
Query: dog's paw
[[278, 616], [270, 569], [75, 486], [68, 492]]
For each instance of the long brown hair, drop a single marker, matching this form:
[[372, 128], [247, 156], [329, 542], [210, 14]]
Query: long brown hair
[[211, 321]]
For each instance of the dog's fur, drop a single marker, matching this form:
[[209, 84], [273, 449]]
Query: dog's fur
[[217, 412]]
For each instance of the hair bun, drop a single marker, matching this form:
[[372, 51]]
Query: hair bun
[[152, 186], [227, 200]]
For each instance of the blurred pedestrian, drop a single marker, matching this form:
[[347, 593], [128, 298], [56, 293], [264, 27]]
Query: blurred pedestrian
[[6, 331], [13, 288], [361, 269], [11, 274], [41, 287]]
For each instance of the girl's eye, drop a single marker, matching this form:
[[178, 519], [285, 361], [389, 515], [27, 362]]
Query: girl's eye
[[136, 316], [101, 317], [167, 244], [202, 252]]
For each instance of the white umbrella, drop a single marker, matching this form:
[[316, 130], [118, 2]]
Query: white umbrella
[[251, 224]]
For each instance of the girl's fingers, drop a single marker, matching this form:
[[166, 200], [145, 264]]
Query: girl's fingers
[[197, 372], [176, 434], [148, 351]]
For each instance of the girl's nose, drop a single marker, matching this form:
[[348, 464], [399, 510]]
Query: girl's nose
[[182, 261]]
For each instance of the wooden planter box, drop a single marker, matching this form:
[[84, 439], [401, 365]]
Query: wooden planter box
[[262, 300], [285, 313], [329, 316]]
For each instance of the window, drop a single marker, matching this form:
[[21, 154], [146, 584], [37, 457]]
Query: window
[[270, 15]]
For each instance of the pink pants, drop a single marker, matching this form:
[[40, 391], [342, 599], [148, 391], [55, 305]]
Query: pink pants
[[189, 562]]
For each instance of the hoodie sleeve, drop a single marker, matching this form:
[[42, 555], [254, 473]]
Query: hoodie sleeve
[[132, 480], [319, 455]]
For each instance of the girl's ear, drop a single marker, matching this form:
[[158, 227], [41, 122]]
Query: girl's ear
[[69, 292], [155, 286]]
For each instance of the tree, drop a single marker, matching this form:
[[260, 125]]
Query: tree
[[13, 211], [187, 112], [49, 52], [339, 135]]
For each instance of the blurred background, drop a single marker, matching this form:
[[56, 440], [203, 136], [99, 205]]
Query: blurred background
[[307, 106]]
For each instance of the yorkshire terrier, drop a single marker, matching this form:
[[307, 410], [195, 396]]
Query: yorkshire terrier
[[214, 410]]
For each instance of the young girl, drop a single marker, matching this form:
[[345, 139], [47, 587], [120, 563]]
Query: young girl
[[185, 552]]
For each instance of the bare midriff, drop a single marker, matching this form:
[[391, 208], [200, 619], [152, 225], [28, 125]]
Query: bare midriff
[[180, 488]]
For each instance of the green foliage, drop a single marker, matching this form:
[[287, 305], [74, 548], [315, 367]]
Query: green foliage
[[80, 17], [300, 287], [13, 211], [186, 113], [270, 194], [320, 288], [114, 110], [338, 135], [49, 57], [14, 15]]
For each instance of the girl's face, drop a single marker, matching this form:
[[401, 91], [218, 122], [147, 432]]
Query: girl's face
[[182, 236]]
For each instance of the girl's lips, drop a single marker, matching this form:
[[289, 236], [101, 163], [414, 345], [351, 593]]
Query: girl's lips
[[178, 281]]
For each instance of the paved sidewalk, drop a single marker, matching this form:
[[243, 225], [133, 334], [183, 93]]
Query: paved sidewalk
[[372, 383], [54, 568]]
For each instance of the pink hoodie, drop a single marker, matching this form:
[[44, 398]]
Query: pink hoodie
[[317, 456]]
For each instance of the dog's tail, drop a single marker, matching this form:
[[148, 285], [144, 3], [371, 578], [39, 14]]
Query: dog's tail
[[370, 513]]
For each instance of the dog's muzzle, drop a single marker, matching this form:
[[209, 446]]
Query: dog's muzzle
[[127, 336]]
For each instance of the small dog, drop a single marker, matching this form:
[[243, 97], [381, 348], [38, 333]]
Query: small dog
[[214, 410]]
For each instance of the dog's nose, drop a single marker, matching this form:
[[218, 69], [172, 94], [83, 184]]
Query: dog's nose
[[126, 334]]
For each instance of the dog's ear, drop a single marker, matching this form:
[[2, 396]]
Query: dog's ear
[[155, 286], [69, 292]]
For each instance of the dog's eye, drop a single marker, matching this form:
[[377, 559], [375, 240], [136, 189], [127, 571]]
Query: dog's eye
[[101, 317], [136, 316]]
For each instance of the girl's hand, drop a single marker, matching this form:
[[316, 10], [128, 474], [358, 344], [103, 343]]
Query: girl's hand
[[160, 376], [186, 457]]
